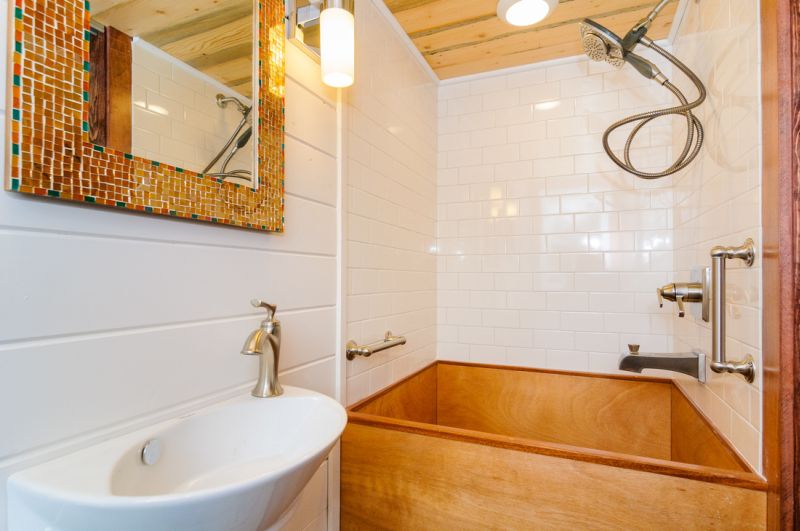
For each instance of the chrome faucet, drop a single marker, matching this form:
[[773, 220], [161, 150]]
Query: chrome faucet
[[691, 363], [268, 336]]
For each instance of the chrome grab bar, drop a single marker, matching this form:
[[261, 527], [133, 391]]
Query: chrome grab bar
[[719, 255], [389, 341]]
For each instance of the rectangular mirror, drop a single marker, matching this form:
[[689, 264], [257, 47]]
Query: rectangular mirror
[[175, 85], [172, 107]]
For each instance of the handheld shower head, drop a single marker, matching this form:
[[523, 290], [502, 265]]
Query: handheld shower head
[[601, 44]]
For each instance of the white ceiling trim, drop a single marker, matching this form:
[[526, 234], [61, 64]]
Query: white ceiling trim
[[513, 69]]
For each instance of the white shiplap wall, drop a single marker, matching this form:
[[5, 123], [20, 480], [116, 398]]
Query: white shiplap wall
[[108, 318]]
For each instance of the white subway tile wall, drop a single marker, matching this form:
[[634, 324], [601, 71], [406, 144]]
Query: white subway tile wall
[[391, 196], [549, 255], [176, 119], [718, 200]]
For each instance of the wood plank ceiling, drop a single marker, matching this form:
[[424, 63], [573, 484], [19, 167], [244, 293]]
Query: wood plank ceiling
[[213, 36], [462, 37]]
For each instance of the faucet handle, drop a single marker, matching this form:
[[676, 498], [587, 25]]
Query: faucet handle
[[660, 297], [271, 308], [681, 307], [633, 348]]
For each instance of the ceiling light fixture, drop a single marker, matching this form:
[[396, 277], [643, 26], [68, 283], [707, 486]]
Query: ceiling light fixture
[[525, 12], [337, 43]]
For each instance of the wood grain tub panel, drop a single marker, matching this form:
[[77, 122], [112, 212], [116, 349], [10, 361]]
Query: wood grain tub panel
[[631, 417], [396, 480], [405, 467], [413, 398]]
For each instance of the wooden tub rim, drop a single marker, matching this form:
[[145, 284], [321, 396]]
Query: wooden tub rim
[[747, 479]]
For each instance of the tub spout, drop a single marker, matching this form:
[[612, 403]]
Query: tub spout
[[691, 363]]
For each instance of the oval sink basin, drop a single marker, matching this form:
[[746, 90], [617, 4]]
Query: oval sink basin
[[237, 465]]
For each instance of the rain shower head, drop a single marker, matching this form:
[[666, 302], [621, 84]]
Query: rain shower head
[[601, 44]]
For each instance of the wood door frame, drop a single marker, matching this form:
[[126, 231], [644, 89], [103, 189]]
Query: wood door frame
[[780, 24]]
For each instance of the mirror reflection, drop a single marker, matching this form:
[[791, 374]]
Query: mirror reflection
[[303, 25], [172, 81]]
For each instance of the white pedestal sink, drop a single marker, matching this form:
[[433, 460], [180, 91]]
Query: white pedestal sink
[[234, 466]]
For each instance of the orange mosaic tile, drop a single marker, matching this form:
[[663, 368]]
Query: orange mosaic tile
[[50, 153]]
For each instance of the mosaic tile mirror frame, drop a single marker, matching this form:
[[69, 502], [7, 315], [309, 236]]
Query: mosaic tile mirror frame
[[50, 154]]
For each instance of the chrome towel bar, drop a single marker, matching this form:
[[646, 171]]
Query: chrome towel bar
[[389, 341], [720, 255]]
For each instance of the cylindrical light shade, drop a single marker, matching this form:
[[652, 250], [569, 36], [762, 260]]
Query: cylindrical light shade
[[337, 44]]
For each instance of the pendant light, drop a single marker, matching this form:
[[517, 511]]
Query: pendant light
[[337, 43]]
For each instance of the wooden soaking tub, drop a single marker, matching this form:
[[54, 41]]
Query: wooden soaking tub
[[464, 446]]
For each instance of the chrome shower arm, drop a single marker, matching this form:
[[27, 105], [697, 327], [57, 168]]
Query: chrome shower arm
[[223, 101], [635, 35], [648, 20]]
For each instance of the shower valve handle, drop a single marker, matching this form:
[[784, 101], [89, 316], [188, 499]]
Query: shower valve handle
[[678, 299], [680, 293]]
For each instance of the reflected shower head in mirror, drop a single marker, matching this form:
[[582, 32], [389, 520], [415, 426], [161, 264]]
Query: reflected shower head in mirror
[[603, 45], [240, 140], [211, 52]]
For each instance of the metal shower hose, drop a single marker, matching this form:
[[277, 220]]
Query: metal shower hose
[[694, 136]]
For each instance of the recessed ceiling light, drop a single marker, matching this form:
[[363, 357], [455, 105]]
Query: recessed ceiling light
[[525, 12]]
